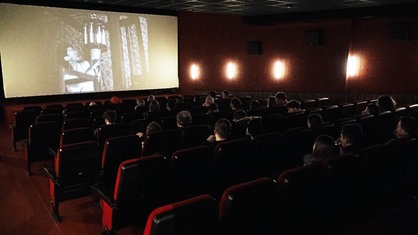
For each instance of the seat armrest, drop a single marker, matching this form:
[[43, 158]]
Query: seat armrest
[[99, 191], [50, 172]]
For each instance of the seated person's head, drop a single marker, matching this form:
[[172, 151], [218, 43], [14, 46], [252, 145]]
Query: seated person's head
[[293, 106], [151, 98], [153, 106], [255, 104], [281, 98], [208, 101], [140, 102], [153, 127], [225, 94], [371, 109], [351, 134], [271, 101], [171, 105], [212, 93], [235, 103], [115, 100], [110, 116], [184, 118], [386, 103], [314, 119], [239, 114], [222, 129], [406, 128], [323, 149]]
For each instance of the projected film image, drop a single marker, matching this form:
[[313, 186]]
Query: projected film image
[[52, 51]]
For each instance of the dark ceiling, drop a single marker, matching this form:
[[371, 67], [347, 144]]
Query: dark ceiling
[[253, 7]]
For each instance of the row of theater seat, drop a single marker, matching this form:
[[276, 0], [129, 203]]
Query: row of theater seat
[[223, 177], [381, 174], [313, 199]]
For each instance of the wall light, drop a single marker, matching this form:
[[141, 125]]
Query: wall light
[[194, 71], [353, 66], [279, 70], [231, 70]]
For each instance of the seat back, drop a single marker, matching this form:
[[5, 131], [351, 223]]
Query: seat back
[[296, 119], [254, 207], [106, 131], [22, 120], [275, 122], [298, 141], [194, 135], [77, 167], [348, 187], [231, 160], [271, 158], [347, 110], [68, 114], [163, 142], [116, 150], [306, 195], [130, 116], [191, 171], [197, 215], [75, 135], [142, 184], [49, 117], [76, 123], [44, 139], [331, 113]]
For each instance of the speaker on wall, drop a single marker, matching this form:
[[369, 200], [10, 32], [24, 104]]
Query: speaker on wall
[[313, 37], [399, 31], [254, 48]]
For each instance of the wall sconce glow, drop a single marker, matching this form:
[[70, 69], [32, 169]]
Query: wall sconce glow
[[231, 70], [353, 66], [194, 71], [279, 70]]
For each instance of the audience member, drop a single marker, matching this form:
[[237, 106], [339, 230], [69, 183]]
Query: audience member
[[323, 150], [239, 124], [406, 129], [255, 105], [151, 98], [350, 139], [140, 105], [221, 131], [208, 101], [314, 120], [170, 107], [181, 104], [281, 98], [294, 106], [225, 94], [154, 112], [110, 117], [271, 101], [212, 93], [386, 103], [184, 119], [235, 104], [115, 100], [152, 127], [371, 109]]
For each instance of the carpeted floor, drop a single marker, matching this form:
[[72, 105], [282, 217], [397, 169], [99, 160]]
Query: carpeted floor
[[25, 203]]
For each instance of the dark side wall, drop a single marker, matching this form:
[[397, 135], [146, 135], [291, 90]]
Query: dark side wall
[[388, 65]]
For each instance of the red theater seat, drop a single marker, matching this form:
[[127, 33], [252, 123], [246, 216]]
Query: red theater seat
[[193, 216]]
